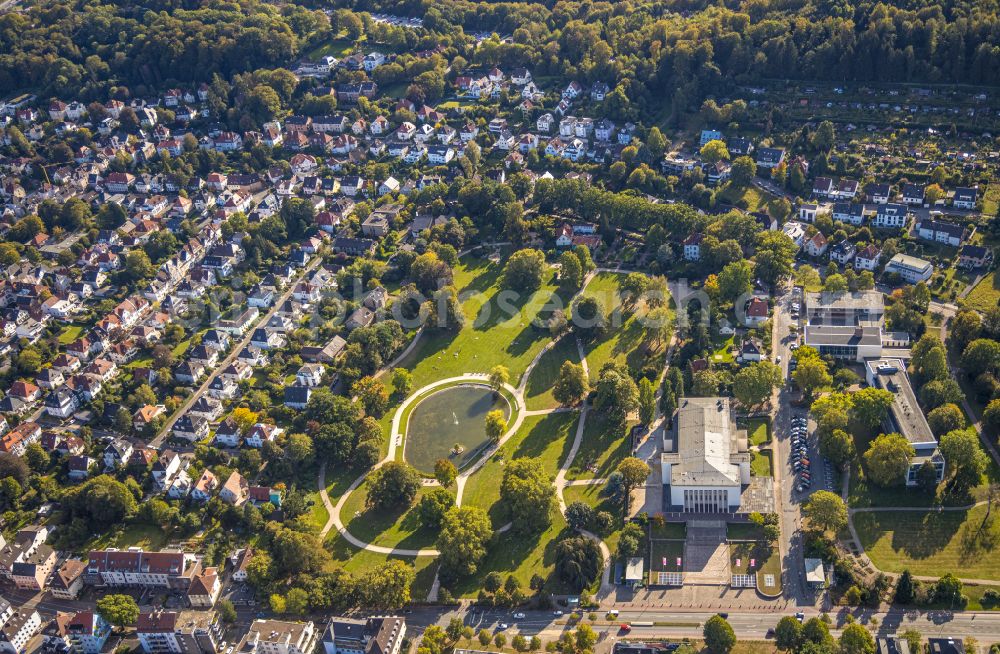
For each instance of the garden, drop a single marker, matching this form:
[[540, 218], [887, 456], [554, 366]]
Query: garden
[[441, 412]]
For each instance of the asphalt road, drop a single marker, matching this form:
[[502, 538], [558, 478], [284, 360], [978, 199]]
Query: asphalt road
[[677, 623], [236, 348]]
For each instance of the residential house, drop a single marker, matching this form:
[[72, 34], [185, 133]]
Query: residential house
[[228, 434], [891, 216], [756, 311], [769, 158], [849, 212], [879, 193], [913, 195], [278, 637], [262, 433], [843, 252], [85, 631], [297, 397], [204, 488], [191, 427], [205, 587], [373, 635], [33, 572], [868, 258], [965, 198], [67, 582], [971, 257], [235, 490], [135, 567], [939, 231], [692, 247], [117, 452], [816, 246]]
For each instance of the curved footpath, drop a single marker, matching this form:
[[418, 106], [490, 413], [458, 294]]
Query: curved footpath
[[520, 407], [863, 555]]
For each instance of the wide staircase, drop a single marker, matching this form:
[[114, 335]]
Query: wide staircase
[[706, 554]]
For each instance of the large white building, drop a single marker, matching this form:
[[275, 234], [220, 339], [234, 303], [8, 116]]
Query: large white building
[[905, 416], [845, 325], [705, 461], [911, 269]]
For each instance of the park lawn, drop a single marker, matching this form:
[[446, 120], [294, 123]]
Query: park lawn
[[389, 528], [489, 337], [318, 511], [985, 295], [70, 333], [142, 362], [591, 494], [932, 542], [949, 283], [546, 438], [358, 562], [671, 550], [601, 450], [624, 339], [751, 198], [183, 346], [760, 464], [862, 494], [975, 594], [523, 556], [538, 392], [758, 431]]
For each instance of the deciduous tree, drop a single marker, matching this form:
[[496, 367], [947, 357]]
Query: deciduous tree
[[465, 533], [826, 510], [888, 459]]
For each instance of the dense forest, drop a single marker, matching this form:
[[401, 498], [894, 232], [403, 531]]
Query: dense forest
[[684, 50]]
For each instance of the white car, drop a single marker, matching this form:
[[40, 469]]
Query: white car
[[557, 613], [519, 616]]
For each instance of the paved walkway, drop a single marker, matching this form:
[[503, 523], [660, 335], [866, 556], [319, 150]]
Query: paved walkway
[[863, 555], [396, 440]]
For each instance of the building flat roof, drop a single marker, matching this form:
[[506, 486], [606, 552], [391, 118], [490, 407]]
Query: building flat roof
[[843, 335], [845, 301], [707, 442], [890, 374]]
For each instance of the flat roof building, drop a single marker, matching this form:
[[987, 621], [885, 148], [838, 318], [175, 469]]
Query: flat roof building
[[706, 463], [855, 343], [179, 632], [844, 308], [905, 416], [911, 269]]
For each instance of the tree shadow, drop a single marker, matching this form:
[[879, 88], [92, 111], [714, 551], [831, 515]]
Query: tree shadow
[[551, 427], [924, 537], [505, 554], [545, 375]]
